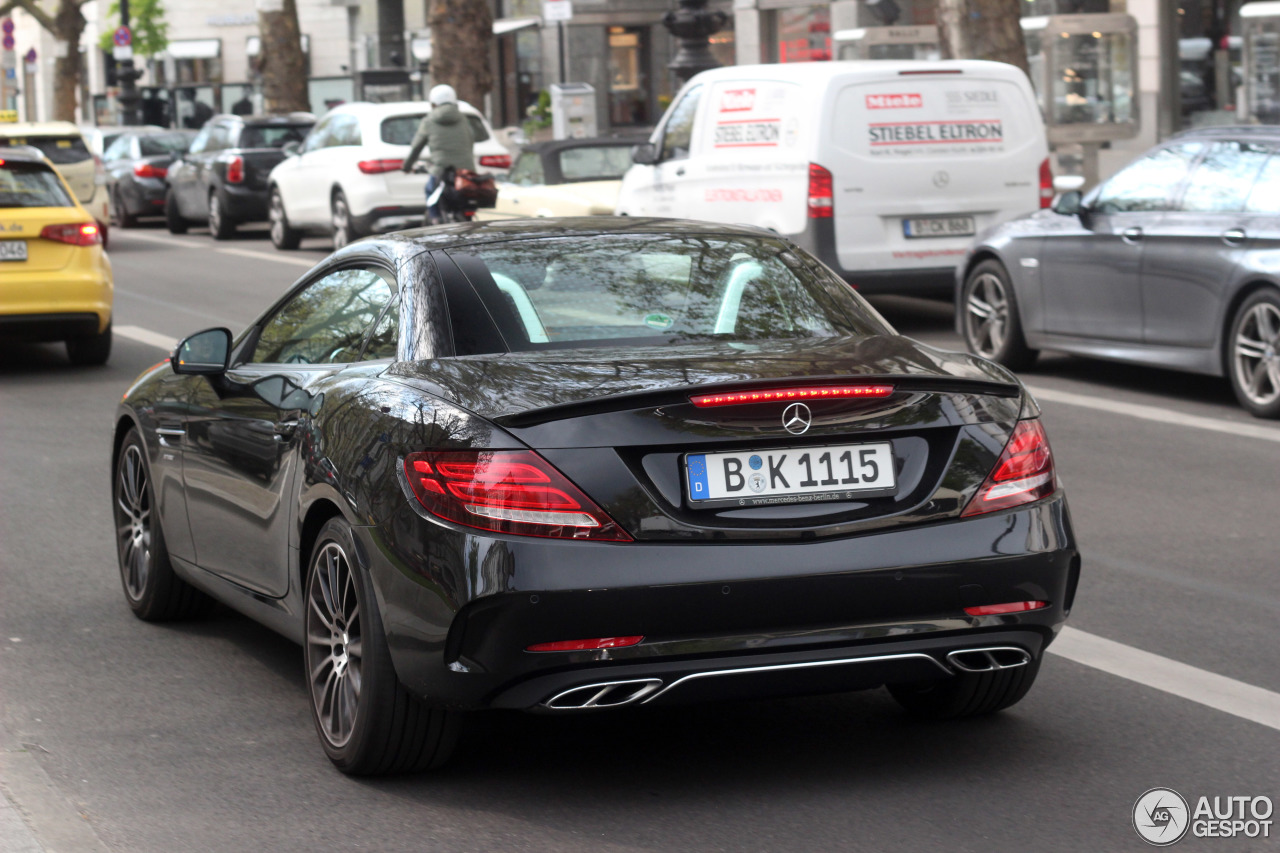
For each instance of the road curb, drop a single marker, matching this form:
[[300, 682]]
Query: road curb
[[56, 825]]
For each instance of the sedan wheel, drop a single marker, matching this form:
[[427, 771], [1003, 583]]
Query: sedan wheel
[[1255, 354], [282, 235], [120, 212], [341, 221], [333, 644], [992, 327], [220, 225]]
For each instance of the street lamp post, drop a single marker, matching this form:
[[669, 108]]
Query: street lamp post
[[128, 76], [693, 26]]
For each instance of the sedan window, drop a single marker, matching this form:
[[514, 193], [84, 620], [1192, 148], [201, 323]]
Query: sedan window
[[527, 171], [601, 163], [1149, 183], [1265, 197], [326, 322], [1223, 178], [31, 185]]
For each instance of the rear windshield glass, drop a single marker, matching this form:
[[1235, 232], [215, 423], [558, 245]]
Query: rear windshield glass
[[399, 130], [159, 144], [642, 289], [601, 163], [31, 185], [273, 136], [60, 150]]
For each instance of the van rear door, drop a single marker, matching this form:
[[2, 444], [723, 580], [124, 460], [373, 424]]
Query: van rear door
[[924, 158]]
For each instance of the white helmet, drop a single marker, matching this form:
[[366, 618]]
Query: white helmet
[[443, 94]]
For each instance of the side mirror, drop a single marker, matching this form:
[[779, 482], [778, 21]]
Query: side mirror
[[1069, 203], [646, 154], [290, 149], [203, 354]]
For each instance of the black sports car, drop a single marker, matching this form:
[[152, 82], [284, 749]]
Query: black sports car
[[568, 465]]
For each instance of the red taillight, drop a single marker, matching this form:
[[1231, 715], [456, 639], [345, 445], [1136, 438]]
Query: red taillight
[[146, 170], [1002, 609], [378, 167], [507, 491], [496, 161], [585, 645], [777, 395], [1046, 184], [235, 170], [76, 233], [1023, 473], [821, 193]]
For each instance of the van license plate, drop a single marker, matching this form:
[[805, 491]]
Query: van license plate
[[13, 250], [791, 475], [938, 226]]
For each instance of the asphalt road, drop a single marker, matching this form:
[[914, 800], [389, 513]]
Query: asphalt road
[[197, 736]]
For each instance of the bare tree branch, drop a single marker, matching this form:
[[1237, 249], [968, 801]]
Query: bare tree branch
[[42, 17]]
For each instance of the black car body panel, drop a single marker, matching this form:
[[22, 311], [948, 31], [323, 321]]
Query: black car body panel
[[136, 177]]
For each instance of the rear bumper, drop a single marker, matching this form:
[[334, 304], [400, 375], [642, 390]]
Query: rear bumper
[[51, 327], [244, 204], [820, 241], [380, 220], [720, 620]]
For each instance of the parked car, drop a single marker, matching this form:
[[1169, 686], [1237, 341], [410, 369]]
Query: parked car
[[1173, 262], [101, 137], [581, 464], [569, 177], [345, 180], [882, 169], [63, 144], [222, 177], [55, 279], [136, 165]]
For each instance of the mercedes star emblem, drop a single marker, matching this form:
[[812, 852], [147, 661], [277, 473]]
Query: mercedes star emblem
[[941, 179], [796, 418]]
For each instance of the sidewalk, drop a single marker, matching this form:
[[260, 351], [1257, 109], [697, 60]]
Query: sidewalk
[[34, 815]]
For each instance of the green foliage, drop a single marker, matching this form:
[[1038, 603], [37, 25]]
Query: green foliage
[[146, 19], [539, 113]]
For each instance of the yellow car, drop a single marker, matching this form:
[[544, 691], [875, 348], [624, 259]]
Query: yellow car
[[64, 145], [55, 279]]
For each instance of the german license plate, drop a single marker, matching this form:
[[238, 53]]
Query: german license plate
[[938, 226], [791, 475], [13, 250]]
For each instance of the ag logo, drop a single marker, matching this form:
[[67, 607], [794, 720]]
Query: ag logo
[[796, 418], [1161, 817]]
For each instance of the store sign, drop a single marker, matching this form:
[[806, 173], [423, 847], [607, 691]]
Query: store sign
[[557, 10]]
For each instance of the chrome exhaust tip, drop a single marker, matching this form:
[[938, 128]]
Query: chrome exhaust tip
[[606, 694], [988, 659]]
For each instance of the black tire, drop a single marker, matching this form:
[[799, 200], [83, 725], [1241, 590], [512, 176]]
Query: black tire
[[90, 351], [282, 235], [172, 218], [369, 724], [1253, 354], [990, 320], [969, 694], [104, 231], [151, 589], [221, 226], [340, 220], [120, 212]]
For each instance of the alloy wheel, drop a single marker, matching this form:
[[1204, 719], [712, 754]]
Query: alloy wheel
[[133, 522], [275, 215], [987, 315], [341, 223], [334, 648], [215, 214], [1257, 354]]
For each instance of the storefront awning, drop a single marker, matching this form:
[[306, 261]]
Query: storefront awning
[[194, 49], [502, 26]]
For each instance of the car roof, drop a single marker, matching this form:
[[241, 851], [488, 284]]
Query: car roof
[[268, 120], [39, 128], [554, 145], [1230, 131], [22, 154], [811, 73], [391, 108]]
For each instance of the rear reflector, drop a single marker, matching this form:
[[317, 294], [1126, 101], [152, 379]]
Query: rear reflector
[[1001, 609], [506, 491], [147, 170], [1023, 474], [778, 395], [496, 161], [77, 233], [377, 167], [821, 193], [585, 645], [1046, 184]]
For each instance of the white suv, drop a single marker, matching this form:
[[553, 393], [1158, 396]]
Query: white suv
[[345, 179]]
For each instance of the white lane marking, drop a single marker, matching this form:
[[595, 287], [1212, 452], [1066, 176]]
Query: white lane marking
[[263, 256], [146, 336], [1201, 686], [171, 241], [1155, 413]]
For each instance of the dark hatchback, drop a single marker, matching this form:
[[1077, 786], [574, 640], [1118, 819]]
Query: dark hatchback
[[576, 465], [1172, 262], [222, 178], [136, 164]]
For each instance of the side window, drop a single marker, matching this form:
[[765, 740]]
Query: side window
[[219, 138], [326, 322], [319, 135], [1150, 183], [677, 135], [386, 335], [119, 149], [201, 141], [1265, 197], [1223, 177], [345, 130], [527, 170]]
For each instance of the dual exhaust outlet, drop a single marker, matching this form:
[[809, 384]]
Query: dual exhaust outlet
[[634, 691]]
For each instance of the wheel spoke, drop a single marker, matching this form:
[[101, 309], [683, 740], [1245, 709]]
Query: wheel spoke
[[979, 308], [1248, 347]]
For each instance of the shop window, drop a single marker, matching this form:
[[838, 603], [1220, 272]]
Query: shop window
[[628, 71], [801, 34]]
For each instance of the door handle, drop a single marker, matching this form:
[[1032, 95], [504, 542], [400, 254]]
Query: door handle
[[1233, 236], [285, 429], [1132, 236]]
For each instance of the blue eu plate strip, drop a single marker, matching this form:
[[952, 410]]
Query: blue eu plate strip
[[696, 466]]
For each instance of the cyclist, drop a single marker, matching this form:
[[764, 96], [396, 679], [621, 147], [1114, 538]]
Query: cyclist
[[446, 134]]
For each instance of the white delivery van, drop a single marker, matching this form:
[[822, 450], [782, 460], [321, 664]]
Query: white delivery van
[[885, 170]]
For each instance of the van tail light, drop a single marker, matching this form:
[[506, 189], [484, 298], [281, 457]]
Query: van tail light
[[506, 491], [821, 194], [378, 167], [496, 161], [1023, 474], [1046, 185], [75, 233], [147, 170], [235, 170]]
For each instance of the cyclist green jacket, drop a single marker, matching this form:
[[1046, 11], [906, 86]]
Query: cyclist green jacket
[[446, 134]]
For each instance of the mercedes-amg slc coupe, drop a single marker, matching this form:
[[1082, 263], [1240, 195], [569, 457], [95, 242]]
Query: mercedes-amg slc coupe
[[578, 465]]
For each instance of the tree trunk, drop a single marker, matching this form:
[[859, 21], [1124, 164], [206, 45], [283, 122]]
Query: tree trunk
[[982, 29], [461, 38], [284, 67], [69, 24]]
